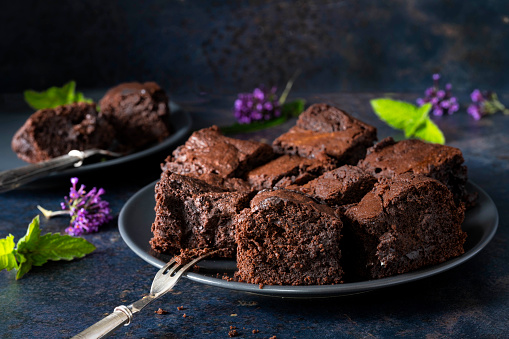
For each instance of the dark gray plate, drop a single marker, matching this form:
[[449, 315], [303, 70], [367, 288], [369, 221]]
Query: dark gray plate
[[11, 122], [137, 215]]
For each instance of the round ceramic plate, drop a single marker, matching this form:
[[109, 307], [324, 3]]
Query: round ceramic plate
[[9, 124], [137, 215]]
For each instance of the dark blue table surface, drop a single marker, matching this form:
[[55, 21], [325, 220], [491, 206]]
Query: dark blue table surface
[[61, 299]]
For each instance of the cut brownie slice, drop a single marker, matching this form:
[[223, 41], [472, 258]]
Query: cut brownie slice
[[52, 132], [329, 130], [193, 214], [207, 151], [344, 185], [444, 163], [404, 223], [286, 238], [287, 170], [139, 112]]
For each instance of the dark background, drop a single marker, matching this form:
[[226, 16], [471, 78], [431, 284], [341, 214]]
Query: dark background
[[224, 47]]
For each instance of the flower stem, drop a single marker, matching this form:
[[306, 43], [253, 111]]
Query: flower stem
[[288, 87], [48, 214]]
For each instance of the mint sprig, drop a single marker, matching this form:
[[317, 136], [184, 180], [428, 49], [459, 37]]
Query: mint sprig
[[54, 96], [413, 120], [35, 250]]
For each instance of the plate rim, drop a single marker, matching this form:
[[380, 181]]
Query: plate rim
[[315, 291]]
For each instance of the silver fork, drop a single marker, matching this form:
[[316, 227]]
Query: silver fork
[[16, 177], [163, 282]]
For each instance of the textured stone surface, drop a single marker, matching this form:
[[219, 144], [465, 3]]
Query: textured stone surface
[[61, 299], [224, 46]]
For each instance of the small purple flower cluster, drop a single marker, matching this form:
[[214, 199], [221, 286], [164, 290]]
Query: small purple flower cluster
[[87, 210], [484, 103], [262, 104], [442, 100]]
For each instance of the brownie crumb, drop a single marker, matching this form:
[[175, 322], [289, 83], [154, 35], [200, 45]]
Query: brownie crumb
[[184, 316], [180, 308], [260, 286], [255, 331], [161, 311], [233, 333], [273, 337]]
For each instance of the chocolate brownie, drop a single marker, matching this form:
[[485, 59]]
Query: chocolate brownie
[[207, 151], [193, 214], [344, 185], [389, 158], [404, 223], [285, 238], [139, 113], [326, 129], [287, 170], [52, 132]]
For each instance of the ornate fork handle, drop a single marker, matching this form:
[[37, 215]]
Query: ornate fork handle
[[164, 280]]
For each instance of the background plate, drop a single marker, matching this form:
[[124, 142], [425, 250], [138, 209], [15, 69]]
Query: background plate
[[137, 215], [11, 122]]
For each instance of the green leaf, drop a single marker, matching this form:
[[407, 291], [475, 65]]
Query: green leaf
[[54, 96], [397, 114], [430, 132], [7, 257], [413, 120], [422, 117], [293, 108], [35, 250], [24, 268], [60, 247], [254, 126], [29, 241]]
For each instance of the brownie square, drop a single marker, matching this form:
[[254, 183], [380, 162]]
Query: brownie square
[[52, 132], [287, 170], [193, 214], [139, 112], [344, 185], [286, 238], [208, 152], [403, 224], [323, 129], [389, 158]]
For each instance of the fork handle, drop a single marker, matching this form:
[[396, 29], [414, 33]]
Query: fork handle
[[13, 178], [121, 316]]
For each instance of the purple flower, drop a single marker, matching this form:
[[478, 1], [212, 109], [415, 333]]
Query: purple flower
[[484, 103], [87, 210], [441, 100], [262, 104]]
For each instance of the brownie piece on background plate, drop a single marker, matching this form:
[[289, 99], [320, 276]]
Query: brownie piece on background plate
[[404, 223], [139, 112], [323, 129], [286, 238], [52, 132]]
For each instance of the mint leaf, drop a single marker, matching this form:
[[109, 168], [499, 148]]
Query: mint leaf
[[31, 238], [54, 96], [35, 250], [397, 114], [413, 120], [60, 247], [293, 108], [7, 257], [421, 118], [429, 131]]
